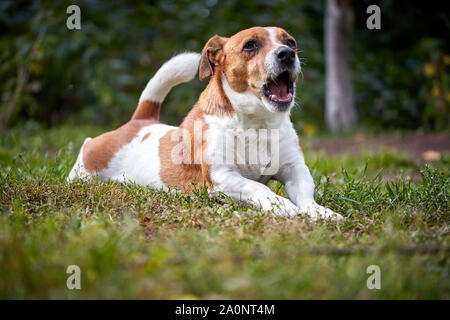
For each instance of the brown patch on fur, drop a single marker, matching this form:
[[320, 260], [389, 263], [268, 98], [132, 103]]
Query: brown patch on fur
[[245, 70], [211, 57], [282, 36], [197, 170], [98, 152], [147, 109], [213, 99], [145, 136]]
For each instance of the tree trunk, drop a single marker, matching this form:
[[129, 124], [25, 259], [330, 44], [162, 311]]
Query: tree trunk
[[340, 107]]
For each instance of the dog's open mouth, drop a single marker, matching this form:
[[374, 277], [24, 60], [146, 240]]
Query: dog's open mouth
[[280, 90]]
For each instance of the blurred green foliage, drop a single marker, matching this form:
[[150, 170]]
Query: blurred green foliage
[[402, 72], [95, 75]]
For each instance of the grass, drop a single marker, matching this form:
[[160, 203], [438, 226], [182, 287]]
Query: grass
[[136, 242]]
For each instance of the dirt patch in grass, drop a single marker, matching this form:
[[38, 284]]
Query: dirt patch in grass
[[421, 148]]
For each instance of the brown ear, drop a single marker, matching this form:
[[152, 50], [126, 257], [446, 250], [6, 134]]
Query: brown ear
[[210, 56]]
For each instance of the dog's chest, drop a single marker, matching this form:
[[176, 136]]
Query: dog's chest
[[253, 152]]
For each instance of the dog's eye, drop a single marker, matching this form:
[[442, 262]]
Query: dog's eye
[[250, 46], [291, 43]]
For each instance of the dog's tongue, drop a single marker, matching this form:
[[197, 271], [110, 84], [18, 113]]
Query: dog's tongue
[[279, 89]]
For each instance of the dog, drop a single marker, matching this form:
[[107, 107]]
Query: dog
[[253, 76]]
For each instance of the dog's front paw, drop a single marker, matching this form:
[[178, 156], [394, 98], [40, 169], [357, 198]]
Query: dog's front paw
[[317, 212], [275, 204], [288, 210]]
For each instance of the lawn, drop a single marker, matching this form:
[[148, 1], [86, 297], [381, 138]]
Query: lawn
[[136, 242]]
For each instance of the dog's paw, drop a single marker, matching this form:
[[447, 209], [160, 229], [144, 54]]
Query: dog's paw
[[275, 204], [288, 210], [316, 212]]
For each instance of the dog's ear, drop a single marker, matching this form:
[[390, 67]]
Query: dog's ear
[[210, 56]]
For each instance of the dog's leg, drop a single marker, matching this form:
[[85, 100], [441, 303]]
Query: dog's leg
[[238, 187], [299, 186]]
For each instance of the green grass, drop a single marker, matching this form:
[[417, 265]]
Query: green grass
[[135, 242]]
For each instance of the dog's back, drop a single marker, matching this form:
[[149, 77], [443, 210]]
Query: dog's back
[[122, 154]]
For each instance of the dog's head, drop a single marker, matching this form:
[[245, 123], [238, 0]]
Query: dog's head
[[261, 61]]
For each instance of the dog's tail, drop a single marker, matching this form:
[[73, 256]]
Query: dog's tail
[[179, 69]]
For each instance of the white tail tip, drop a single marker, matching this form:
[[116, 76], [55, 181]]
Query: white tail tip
[[181, 68]]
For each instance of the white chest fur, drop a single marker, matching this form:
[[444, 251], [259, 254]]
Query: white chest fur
[[253, 147]]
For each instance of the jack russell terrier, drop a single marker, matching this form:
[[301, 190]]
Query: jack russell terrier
[[246, 104]]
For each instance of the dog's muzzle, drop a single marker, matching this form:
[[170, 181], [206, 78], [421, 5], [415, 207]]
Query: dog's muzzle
[[282, 71], [286, 57]]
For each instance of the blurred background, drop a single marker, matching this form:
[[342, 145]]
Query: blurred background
[[50, 75]]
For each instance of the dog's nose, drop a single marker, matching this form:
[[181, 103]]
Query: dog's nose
[[286, 56]]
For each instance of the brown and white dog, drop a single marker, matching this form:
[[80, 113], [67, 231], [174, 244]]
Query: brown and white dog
[[252, 88]]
